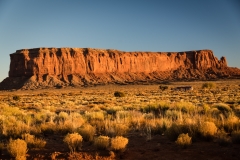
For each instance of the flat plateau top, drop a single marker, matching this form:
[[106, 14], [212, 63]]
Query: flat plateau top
[[97, 49]]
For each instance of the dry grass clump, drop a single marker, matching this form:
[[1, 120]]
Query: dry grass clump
[[17, 148], [87, 131], [113, 110], [16, 98], [208, 130], [62, 116], [163, 87], [95, 115], [177, 128], [68, 123], [185, 107], [118, 143], [157, 108], [205, 108], [173, 131], [74, 141], [102, 142], [14, 127], [48, 128], [76, 120], [208, 85], [184, 140], [231, 123], [87, 156], [173, 115], [33, 142], [225, 109], [119, 94], [112, 128], [214, 113]]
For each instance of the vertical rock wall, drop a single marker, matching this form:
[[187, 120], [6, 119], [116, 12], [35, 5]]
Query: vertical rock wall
[[81, 66]]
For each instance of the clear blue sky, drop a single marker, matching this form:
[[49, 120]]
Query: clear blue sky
[[128, 25]]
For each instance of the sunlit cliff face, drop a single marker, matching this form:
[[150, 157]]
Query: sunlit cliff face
[[81, 61], [84, 66]]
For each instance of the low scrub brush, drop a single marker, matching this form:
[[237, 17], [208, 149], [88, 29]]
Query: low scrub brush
[[119, 94], [17, 148], [33, 142], [87, 131], [74, 141], [118, 143], [184, 140], [208, 130], [102, 142]]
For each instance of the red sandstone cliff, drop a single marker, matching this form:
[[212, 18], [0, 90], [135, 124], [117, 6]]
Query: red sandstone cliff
[[50, 67]]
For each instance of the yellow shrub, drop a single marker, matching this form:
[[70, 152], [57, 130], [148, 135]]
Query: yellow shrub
[[184, 140], [17, 148], [118, 143], [33, 142], [74, 141], [208, 130], [209, 85], [63, 116], [87, 131], [48, 128], [102, 142], [115, 129], [97, 115]]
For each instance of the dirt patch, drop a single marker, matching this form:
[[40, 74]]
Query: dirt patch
[[159, 147]]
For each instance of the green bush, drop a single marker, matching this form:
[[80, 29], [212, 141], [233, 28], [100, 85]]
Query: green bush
[[119, 94]]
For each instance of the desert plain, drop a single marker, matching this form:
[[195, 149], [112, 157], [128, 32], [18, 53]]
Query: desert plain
[[148, 118]]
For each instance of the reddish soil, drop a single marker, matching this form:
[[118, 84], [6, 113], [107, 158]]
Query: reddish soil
[[159, 147]]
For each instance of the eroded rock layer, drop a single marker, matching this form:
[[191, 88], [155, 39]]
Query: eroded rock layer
[[56, 67]]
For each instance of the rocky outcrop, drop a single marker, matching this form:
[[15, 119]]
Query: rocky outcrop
[[56, 67]]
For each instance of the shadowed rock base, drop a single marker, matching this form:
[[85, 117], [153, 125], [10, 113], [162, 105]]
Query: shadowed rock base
[[60, 67]]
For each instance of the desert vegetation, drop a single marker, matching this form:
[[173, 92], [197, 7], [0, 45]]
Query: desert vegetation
[[107, 122]]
